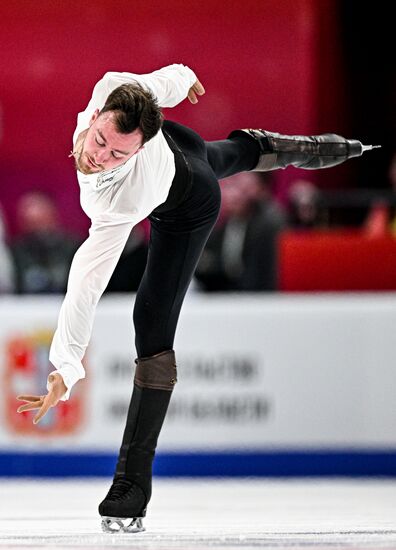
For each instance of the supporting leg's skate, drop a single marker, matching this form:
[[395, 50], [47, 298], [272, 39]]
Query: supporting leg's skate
[[123, 508], [135, 525], [309, 152], [130, 492]]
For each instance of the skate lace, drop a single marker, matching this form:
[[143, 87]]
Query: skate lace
[[122, 489]]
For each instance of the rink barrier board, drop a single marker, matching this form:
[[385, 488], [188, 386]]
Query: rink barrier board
[[277, 464], [258, 375]]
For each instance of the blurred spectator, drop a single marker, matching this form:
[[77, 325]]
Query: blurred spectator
[[130, 268], [377, 221], [44, 252], [304, 210], [241, 252], [6, 267]]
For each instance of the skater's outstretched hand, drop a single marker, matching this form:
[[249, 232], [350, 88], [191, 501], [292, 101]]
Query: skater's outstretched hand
[[197, 88], [44, 402]]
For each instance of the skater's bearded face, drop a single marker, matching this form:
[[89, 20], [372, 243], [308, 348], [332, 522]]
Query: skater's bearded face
[[101, 147]]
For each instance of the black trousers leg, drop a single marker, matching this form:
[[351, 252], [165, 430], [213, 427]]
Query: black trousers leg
[[177, 239], [231, 156], [179, 236], [174, 250]]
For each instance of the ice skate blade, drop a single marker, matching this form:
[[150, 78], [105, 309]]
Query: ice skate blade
[[370, 147], [136, 525]]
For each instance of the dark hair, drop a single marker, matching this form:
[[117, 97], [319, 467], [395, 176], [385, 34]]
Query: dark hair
[[134, 107]]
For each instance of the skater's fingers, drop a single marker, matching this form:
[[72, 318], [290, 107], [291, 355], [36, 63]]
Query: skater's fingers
[[44, 402], [198, 88], [48, 402], [192, 97], [31, 398], [29, 406]]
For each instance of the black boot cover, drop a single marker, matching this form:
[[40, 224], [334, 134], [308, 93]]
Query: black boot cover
[[309, 152], [130, 492]]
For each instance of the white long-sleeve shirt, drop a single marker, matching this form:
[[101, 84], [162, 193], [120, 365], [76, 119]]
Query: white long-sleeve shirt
[[115, 201]]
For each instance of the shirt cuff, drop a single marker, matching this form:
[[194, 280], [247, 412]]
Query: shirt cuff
[[190, 74], [70, 377]]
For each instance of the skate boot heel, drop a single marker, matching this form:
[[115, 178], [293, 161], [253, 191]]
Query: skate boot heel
[[121, 525]]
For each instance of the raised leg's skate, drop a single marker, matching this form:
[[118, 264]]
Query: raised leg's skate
[[309, 152], [126, 502]]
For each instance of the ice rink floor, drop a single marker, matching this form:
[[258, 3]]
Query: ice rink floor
[[197, 514]]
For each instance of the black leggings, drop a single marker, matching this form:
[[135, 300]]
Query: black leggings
[[178, 236]]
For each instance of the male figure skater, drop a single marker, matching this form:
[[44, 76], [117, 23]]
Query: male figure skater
[[130, 165]]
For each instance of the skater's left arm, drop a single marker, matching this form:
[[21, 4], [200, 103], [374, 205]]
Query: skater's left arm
[[170, 85]]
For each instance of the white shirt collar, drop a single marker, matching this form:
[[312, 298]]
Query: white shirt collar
[[106, 178]]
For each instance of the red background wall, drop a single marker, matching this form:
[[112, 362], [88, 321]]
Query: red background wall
[[269, 63]]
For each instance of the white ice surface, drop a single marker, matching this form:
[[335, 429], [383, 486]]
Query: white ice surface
[[197, 514]]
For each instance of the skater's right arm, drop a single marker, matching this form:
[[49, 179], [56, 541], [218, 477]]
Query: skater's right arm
[[90, 272]]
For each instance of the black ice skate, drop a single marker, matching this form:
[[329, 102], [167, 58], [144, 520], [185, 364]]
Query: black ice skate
[[126, 502], [125, 506], [309, 152]]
